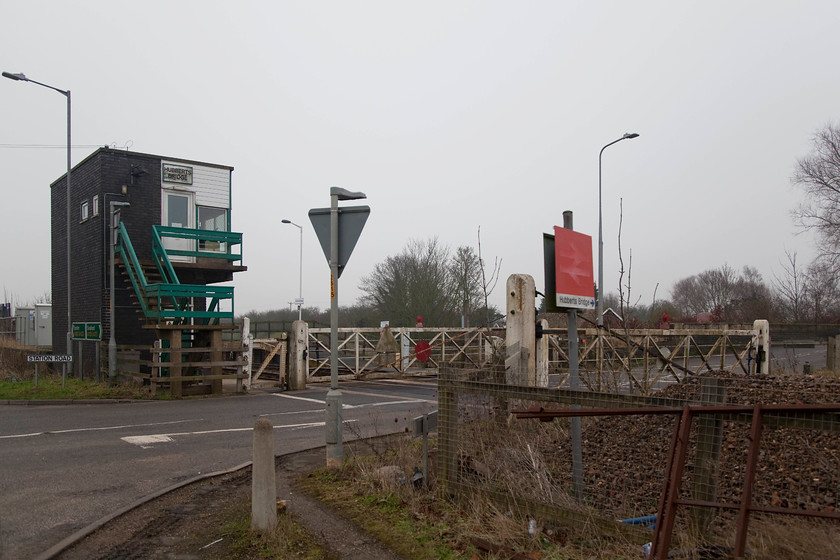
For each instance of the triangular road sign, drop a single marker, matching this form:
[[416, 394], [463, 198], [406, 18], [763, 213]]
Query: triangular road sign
[[351, 222]]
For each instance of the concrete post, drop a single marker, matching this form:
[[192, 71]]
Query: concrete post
[[263, 482], [543, 352], [762, 346], [520, 355], [299, 362], [832, 353]]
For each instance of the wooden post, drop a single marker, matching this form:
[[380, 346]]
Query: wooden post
[[263, 482], [215, 358], [709, 441], [175, 369], [447, 432]]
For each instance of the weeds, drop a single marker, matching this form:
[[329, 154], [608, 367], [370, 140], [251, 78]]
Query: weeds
[[236, 540]]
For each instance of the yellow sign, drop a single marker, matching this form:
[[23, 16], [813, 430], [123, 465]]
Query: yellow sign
[[332, 287]]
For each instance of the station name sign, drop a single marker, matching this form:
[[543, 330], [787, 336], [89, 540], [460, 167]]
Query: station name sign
[[575, 288], [176, 174]]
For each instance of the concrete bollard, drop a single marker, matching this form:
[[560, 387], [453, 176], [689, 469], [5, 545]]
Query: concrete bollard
[[263, 482]]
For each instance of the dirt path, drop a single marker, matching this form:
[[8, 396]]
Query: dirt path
[[185, 524]]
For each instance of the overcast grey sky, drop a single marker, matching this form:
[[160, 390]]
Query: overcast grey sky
[[450, 116]]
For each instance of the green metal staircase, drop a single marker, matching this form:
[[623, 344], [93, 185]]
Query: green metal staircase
[[169, 301]]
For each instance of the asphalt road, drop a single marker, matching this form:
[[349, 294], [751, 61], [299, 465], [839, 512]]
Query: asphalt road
[[62, 467]]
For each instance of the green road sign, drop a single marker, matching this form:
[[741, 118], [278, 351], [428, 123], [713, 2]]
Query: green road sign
[[93, 331], [87, 331], [79, 331]]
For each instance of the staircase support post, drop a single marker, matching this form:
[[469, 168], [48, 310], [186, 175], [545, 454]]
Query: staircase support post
[[175, 369]]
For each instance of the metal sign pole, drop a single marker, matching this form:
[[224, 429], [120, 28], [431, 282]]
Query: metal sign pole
[[574, 378], [335, 452], [337, 230]]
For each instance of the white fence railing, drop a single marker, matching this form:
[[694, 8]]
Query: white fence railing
[[637, 359]]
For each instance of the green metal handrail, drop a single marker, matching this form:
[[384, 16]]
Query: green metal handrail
[[172, 297], [226, 240]]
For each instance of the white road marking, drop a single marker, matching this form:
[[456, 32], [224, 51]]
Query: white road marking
[[405, 400], [297, 398], [33, 434], [147, 441]]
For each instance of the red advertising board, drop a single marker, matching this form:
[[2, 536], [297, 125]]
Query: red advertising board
[[575, 283]]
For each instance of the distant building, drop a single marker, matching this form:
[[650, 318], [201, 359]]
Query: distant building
[[179, 213]]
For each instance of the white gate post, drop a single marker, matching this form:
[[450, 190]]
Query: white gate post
[[543, 356], [247, 352], [298, 366], [762, 346], [520, 359], [405, 349]]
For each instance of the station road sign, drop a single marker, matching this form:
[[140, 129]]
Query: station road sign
[[49, 358], [351, 222]]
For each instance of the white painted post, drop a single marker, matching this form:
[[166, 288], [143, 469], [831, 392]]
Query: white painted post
[[298, 366], [263, 482], [762, 346], [247, 352], [405, 349], [543, 347], [520, 360]]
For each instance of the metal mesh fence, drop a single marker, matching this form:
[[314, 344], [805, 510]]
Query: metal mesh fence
[[782, 493]]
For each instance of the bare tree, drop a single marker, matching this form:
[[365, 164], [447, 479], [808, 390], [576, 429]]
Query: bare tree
[[818, 174], [723, 292], [751, 298], [488, 283], [415, 282], [465, 270], [822, 292], [789, 288]]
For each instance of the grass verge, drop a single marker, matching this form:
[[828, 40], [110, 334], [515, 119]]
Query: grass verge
[[52, 387], [420, 524]]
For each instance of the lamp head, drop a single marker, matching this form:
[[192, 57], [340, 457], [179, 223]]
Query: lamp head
[[19, 77], [286, 221], [629, 135], [344, 194]]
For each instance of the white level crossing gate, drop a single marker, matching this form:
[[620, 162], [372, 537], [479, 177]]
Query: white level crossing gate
[[638, 360]]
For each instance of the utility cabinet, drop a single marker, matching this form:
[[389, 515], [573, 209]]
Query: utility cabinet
[[33, 325]]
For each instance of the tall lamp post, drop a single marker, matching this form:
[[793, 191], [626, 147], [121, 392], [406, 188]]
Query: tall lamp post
[[66, 93], [114, 216], [600, 318], [300, 281]]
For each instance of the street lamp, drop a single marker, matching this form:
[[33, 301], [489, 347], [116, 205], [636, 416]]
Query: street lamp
[[600, 318], [114, 216], [22, 78], [300, 283]]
